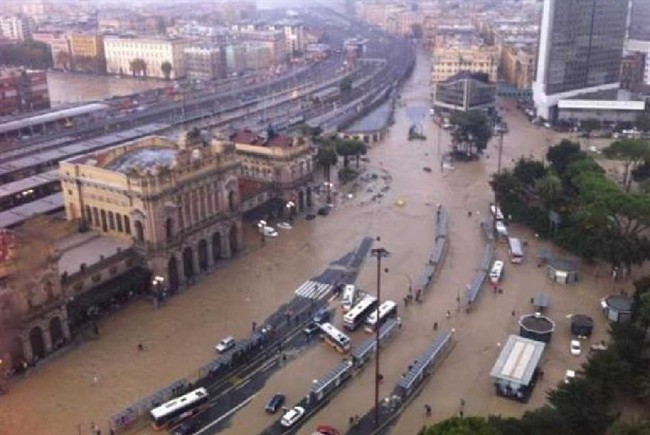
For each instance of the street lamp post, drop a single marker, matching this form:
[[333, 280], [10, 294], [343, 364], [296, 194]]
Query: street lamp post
[[290, 206], [496, 200], [378, 253], [261, 224], [158, 282]]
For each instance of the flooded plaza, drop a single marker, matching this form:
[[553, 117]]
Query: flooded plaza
[[76, 88], [99, 377]]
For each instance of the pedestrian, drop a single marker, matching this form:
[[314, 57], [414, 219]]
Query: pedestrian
[[95, 380], [427, 410], [140, 347], [512, 313], [435, 326], [448, 314], [253, 326], [399, 323], [406, 301], [351, 420], [461, 413], [498, 345], [284, 357], [469, 213]]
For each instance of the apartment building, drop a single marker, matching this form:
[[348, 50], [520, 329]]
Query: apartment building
[[23, 91], [205, 62], [449, 61], [87, 51], [123, 56]]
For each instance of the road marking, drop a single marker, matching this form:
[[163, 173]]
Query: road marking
[[313, 289], [226, 415]]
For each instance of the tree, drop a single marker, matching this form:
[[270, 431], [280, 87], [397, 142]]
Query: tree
[[529, 171], [346, 148], [138, 67], [632, 152], [583, 406], [166, 68], [472, 130], [462, 426], [326, 157], [644, 310], [563, 154], [549, 189]]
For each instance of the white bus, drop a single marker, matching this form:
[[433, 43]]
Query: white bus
[[335, 338], [516, 250], [386, 310], [177, 409], [357, 315], [349, 297]]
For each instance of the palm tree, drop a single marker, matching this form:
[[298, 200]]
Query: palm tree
[[138, 66], [326, 157], [166, 68], [345, 149]]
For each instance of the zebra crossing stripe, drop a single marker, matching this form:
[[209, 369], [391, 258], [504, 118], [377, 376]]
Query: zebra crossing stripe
[[313, 289]]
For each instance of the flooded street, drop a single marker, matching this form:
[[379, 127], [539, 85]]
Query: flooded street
[[62, 397], [68, 87]]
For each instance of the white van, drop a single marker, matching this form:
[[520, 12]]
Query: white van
[[349, 297]]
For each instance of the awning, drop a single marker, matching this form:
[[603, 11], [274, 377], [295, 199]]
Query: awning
[[134, 279]]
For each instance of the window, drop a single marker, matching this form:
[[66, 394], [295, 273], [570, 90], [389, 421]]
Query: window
[[127, 225]]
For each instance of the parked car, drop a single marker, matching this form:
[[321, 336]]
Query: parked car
[[310, 216], [576, 348], [569, 375], [324, 429], [324, 211], [270, 232], [226, 344], [285, 226], [186, 428], [502, 230], [275, 403], [321, 316], [311, 328], [292, 416]]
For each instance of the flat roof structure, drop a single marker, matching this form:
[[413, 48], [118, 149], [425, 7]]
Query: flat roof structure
[[332, 376], [518, 360], [23, 212], [145, 158], [19, 186], [374, 121], [52, 116], [87, 248], [425, 361], [81, 147]]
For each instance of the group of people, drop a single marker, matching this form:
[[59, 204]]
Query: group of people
[[409, 296]]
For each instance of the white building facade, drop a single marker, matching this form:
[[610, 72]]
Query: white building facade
[[121, 52]]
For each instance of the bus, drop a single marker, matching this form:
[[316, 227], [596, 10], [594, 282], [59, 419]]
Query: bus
[[516, 250], [180, 408], [349, 298], [335, 338], [357, 315], [386, 310]]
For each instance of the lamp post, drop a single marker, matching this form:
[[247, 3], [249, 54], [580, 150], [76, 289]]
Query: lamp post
[[378, 253], [158, 282], [261, 224], [290, 207], [496, 200]]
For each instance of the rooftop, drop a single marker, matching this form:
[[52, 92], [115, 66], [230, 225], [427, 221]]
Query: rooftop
[[518, 360], [620, 303], [144, 159], [87, 248], [376, 120]]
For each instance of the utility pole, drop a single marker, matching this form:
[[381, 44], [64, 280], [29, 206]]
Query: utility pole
[[439, 155], [496, 201], [378, 253]]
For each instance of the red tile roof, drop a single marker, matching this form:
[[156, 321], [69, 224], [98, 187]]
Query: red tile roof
[[246, 137]]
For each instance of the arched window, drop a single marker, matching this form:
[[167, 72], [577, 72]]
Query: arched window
[[111, 220], [89, 215], [118, 218], [231, 200], [127, 225], [139, 231]]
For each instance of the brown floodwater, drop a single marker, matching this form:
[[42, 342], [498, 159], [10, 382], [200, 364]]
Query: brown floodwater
[[61, 398]]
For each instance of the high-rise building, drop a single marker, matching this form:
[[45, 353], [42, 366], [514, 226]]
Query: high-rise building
[[580, 50], [640, 20], [17, 27]]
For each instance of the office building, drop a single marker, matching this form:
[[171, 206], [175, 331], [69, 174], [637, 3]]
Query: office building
[[123, 56], [580, 50]]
